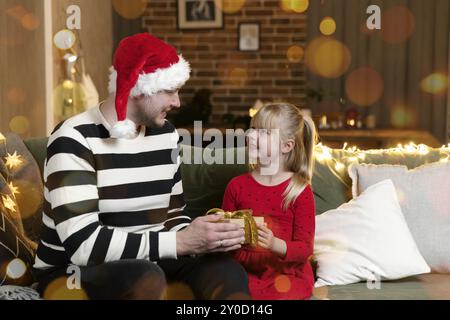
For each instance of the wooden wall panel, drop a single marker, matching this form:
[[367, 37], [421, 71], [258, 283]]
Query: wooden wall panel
[[22, 67]]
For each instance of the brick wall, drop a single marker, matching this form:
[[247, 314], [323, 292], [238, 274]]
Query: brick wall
[[237, 79]]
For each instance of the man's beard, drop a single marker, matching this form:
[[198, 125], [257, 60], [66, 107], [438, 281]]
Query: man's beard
[[144, 119]]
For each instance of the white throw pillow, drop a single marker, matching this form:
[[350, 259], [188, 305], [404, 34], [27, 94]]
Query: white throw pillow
[[424, 196], [366, 239]]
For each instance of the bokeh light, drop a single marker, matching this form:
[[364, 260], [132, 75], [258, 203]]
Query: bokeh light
[[364, 86], [19, 125], [398, 24], [64, 39], [178, 291], [16, 12], [295, 53], [230, 6], [130, 9], [30, 22], [328, 26], [238, 76], [435, 83], [282, 284], [58, 290], [16, 96], [68, 84], [298, 6], [327, 57], [16, 269], [401, 116]]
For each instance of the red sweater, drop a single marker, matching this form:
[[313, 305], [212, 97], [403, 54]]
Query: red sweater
[[271, 276]]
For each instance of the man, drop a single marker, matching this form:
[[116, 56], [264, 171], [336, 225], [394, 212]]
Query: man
[[114, 198]]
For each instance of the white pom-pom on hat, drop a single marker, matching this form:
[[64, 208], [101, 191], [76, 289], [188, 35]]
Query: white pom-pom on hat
[[125, 129]]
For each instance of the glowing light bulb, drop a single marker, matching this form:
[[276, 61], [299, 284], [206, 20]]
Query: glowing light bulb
[[13, 160], [9, 204], [13, 188]]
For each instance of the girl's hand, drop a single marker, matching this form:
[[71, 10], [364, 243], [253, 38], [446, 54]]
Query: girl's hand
[[266, 239]]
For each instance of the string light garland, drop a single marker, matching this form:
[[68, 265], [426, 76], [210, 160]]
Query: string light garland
[[323, 154], [12, 162], [9, 203], [13, 188]]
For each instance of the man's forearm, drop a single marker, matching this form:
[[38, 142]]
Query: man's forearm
[[182, 249]]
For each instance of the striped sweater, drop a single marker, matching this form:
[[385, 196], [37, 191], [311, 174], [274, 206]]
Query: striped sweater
[[110, 199]]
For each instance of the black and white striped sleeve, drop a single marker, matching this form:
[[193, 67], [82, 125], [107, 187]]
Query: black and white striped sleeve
[[71, 184], [177, 219]]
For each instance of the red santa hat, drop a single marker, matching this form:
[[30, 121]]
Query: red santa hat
[[143, 64]]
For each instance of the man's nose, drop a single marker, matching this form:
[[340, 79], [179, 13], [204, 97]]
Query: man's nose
[[175, 101]]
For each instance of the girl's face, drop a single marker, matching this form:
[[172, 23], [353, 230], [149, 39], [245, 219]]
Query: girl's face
[[264, 145]]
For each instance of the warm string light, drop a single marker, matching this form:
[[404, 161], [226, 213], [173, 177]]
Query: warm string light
[[9, 203], [13, 161], [353, 154], [13, 188]]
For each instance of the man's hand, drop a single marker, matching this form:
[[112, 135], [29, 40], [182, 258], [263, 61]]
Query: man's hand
[[205, 234]]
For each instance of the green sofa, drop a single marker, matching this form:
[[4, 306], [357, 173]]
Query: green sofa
[[204, 186]]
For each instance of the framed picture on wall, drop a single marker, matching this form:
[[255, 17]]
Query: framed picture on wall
[[248, 36], [199, 14]]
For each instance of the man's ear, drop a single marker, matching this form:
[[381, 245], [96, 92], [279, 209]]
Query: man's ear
[[137, 97], [287, 146]]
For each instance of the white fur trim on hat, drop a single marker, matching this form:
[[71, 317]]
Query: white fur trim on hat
[[162, 79], [123, 130]]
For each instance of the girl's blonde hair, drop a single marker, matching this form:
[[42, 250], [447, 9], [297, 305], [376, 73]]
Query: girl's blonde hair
[[292, 125]]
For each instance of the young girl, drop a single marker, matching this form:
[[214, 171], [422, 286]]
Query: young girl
[[278, 188]]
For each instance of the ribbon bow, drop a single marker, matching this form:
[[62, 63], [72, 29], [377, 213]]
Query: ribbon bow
[[250, 227]]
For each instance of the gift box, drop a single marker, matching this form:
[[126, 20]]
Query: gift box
[[243, 218]]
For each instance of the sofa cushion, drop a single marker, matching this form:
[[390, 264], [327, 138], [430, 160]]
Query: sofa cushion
[[16, 254], [367, 238], [27, 178], [332, 183], [421, 287], [8, 203], [424, 194]]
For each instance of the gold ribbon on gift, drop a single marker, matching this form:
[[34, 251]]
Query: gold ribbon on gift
[[249, 223]]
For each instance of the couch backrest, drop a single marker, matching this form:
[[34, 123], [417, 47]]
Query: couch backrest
[[204, 184], [38, 148]]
